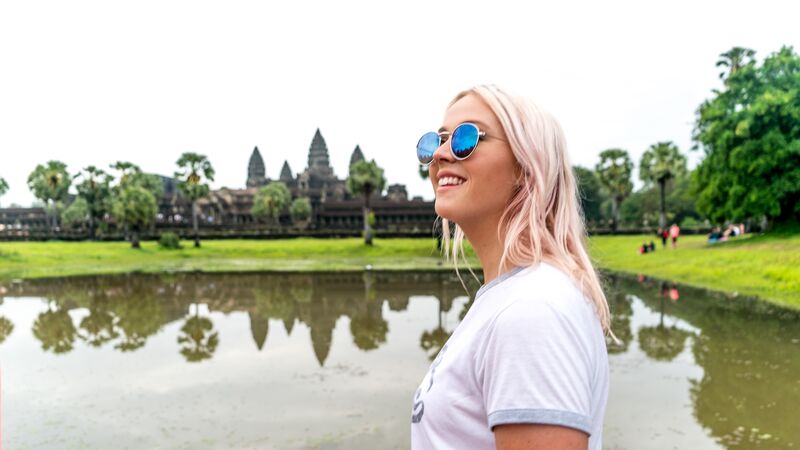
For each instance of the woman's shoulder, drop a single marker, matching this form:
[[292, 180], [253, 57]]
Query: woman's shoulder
[[544, 292]]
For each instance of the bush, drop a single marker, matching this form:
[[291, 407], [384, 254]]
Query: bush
[[690, 222], [169, 241]]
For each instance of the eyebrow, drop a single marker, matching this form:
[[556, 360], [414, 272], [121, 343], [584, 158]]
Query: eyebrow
[[480, 125]]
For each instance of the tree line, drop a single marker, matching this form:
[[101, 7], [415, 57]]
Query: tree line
[[748, 131], [128, 197]]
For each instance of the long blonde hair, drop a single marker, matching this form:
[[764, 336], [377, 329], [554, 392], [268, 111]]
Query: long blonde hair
[[543, 220]]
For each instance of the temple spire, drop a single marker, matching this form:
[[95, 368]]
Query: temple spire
[[318, 155], [356, 156], [286, 172], [256, 172]]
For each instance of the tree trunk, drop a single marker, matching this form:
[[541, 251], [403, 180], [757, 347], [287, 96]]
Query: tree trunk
[[662, 218], [194, 224], [91, 226], [614, 213], [367, 230], [135, 239], [52, 211]]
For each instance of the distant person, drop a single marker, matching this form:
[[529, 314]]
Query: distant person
[[715, 236], [528, 365], [652, 246], [674, 232], [663, 234]]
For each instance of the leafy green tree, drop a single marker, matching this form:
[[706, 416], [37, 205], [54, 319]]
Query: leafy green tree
[[749, 134], [95, 190], [50, 184], [271, 200], [128, 175], [194, 173], [591, 194], [614, 172], [365, 179], [3, 187], [76, 214], [300, 209], [660, 163], [136, 208]]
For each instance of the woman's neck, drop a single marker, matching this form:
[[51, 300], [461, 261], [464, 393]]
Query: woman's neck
[[483, 237]]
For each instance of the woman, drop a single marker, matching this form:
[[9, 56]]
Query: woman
[[527, 367]]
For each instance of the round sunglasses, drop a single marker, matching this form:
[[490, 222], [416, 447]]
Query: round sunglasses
[[463, 140]]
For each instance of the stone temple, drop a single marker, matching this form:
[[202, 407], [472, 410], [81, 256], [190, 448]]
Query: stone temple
[[333, 208]]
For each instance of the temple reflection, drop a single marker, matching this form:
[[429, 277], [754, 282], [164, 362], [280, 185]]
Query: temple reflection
[[125, 310]]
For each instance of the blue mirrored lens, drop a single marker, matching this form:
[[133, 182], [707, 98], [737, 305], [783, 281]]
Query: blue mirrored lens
[[464, 140], [426, 146]]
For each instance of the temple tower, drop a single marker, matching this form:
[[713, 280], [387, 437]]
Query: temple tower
[[256, 173]]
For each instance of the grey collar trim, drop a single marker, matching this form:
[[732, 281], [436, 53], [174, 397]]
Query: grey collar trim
[[502, 277]]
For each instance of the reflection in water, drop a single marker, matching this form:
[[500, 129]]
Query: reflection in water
[[663, 343], [198, 341], [6, 327], [124, 311], [741, 358], [750, 355], [619, 304], [55, 330]]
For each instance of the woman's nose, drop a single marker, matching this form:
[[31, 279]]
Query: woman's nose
[[443, 152]]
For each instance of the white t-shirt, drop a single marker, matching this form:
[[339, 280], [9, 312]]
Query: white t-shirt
[[530, 350]]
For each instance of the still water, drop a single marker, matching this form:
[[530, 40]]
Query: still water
[[331, 361]]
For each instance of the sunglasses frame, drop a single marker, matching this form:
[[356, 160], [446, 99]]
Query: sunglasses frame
[[481, 135]]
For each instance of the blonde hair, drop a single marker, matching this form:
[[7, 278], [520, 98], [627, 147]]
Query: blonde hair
[[543, 220]]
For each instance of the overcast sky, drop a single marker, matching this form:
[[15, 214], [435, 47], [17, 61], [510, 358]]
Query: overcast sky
[[96, 82]]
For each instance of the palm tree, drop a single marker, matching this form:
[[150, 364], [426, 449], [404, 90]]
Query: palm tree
[[614, 171], [95, 189], [365, 179], [194, 172], [661, 162], [734, 59], [50, 184]]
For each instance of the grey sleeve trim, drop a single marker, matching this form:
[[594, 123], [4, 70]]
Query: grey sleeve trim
[[541, 416]]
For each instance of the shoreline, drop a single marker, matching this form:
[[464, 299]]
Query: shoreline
[[613, 254]]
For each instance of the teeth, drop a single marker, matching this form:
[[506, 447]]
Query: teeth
[[445, 181]]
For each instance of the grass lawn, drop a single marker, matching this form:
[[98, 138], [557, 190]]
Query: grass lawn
[[763, 266], [52, 259]]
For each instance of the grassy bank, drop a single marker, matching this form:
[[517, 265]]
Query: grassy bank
[[766, 266], [762, 266], [51, 259]]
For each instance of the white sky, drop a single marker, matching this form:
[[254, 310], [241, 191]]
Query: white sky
[[96, 82]]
